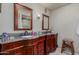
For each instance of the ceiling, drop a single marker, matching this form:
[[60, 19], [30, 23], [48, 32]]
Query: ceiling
[[53, 6]]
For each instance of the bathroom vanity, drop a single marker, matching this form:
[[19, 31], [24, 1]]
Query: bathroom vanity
[[40, 45]]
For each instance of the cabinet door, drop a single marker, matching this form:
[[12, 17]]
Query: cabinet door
[[35, 50], [53, 42], [40, 48], [29, 50], [47, 46]]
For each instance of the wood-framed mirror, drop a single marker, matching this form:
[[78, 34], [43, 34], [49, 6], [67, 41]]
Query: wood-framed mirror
[[45, 22], [22, 17]]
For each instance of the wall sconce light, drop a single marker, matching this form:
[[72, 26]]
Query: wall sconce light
[[38, 16]]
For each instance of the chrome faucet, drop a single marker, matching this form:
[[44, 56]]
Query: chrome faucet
[[26, 32]]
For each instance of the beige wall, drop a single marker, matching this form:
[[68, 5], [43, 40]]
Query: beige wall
[[64, 21], [7, 17]]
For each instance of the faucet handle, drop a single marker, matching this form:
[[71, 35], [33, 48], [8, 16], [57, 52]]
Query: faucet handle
[[25, 33]]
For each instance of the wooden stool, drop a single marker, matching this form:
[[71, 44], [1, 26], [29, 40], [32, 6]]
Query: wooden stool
[[69, 45]]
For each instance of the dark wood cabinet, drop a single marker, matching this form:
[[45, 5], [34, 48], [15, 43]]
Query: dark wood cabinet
[[50, 43], [38, 46]]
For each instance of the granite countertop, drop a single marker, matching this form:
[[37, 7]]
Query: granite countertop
[[23, 38]]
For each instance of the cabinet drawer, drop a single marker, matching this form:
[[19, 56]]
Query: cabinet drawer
[[7, 46], [11, 45], [15, 51], [17, 44]]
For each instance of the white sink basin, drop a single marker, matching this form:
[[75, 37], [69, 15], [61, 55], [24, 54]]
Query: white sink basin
[[30, 37], [26, 36]]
